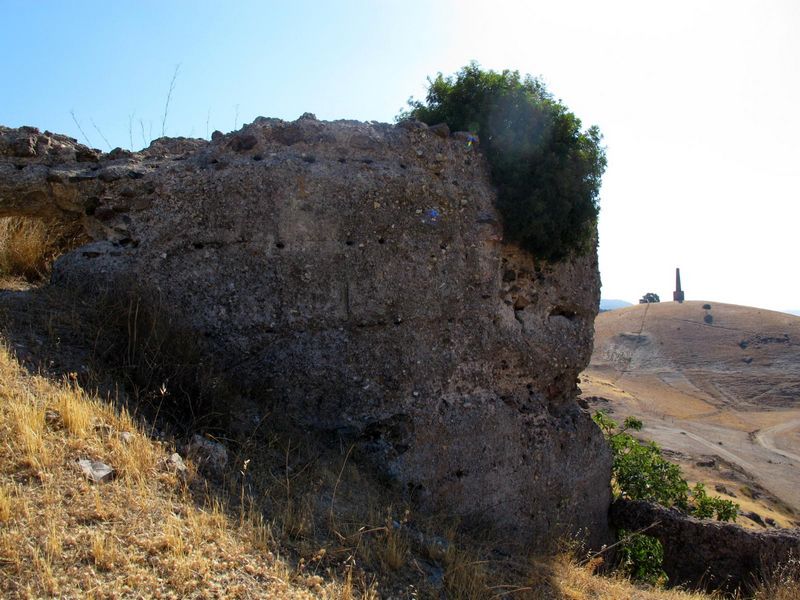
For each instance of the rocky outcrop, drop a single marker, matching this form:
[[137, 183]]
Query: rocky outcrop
[[357, 271], [708, 553]]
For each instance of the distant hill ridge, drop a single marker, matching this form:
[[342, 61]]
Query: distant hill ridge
[[613, 304], [732, 342]]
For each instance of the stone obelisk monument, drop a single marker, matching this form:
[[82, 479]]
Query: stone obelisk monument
[[677, 295]]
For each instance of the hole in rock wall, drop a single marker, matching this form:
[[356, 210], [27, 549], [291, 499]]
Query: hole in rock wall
[[562, 311], [91, 206]]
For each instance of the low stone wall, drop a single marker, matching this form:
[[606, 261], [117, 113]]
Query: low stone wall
[[707, 553]]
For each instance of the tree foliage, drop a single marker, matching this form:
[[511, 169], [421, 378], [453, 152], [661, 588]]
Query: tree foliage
[[639, 472], [547, 170]]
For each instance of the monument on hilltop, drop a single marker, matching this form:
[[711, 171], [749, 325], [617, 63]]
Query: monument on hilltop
[[677, 295]]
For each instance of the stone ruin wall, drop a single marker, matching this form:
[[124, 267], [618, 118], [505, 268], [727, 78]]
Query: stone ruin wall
[[358, 271], [702, 553]]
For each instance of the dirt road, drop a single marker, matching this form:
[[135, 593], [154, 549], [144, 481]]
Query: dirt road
[[766, 438]]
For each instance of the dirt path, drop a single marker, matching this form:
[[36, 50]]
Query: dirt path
[[763, 457], [766, 438], [674, 434]]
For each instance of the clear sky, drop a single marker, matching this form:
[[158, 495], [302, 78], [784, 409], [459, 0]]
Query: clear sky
[[698, 101]]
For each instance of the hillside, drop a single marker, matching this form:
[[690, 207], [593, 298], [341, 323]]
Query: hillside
[[718, 386]]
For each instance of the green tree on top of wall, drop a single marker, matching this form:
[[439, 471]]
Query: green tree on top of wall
[[546, 169]]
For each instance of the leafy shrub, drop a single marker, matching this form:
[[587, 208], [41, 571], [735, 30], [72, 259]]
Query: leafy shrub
[[641, 557], [546, 169], [639, 472], [707, 507]]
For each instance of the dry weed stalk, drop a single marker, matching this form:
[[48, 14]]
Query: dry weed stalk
[[78, 124], [781, 583], [53, 542], [44, 568], [169, 97], [395, 548]]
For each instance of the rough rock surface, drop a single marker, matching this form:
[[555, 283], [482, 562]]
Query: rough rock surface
[[358, 271], [708, 553]]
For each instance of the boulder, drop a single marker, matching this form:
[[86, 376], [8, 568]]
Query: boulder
[[209, 455]]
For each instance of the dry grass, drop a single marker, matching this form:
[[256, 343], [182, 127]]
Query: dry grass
[[104, 550], [29, 246], [465, 575], [6, 504], [393, 546], [579, 582], [140, 535], [162, 364], [782, 584]]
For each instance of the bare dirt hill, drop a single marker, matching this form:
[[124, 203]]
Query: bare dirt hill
[[718, 386]]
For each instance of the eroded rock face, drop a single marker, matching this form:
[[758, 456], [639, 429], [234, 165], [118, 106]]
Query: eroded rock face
[[358, 271]]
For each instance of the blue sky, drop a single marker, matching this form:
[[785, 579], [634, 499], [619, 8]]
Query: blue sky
[[697, 101], [108, 60]]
